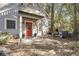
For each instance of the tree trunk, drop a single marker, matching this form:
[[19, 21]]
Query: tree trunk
[[75, 21], [52, 18]]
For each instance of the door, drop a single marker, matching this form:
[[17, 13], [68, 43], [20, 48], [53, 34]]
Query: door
[[28, 30]]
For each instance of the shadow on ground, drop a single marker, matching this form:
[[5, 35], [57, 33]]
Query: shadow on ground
[[44, 47]]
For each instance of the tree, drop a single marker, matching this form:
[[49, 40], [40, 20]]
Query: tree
[[75, 20], [52, 18]]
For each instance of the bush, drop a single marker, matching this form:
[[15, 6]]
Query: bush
[[4, 37], [75, 45]]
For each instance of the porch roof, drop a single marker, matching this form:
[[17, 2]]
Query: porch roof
[[30, 15]]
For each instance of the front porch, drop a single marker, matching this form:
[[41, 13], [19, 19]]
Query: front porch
[[28, 24]]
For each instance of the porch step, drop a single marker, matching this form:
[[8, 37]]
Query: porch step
[[27, 41]]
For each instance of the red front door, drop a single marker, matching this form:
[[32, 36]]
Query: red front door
[[28, 29]]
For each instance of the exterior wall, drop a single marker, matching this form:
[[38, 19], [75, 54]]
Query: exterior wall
[[11, 13], [2, 25]]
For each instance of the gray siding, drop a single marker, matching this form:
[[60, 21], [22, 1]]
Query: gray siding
[[13, 14], [13, 31], [2, 25]]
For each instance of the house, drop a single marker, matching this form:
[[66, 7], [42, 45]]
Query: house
[[24, 18]]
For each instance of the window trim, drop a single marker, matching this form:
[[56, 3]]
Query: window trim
[[5, 21]]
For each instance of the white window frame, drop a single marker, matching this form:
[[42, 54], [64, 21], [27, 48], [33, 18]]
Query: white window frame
[[5, 21]]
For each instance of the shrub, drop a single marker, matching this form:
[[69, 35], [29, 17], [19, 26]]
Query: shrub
[[4, 37]]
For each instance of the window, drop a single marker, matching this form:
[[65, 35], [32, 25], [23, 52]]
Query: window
[[10, 24]]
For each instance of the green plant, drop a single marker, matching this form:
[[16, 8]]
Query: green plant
[[4, 37], [74, 46]]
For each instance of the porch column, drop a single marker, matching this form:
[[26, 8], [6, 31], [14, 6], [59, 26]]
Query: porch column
[[36, 27], [42, 27], [20, 34]]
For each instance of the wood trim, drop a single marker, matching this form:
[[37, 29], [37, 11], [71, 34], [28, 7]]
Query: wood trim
[[35, 15], [6, 25]]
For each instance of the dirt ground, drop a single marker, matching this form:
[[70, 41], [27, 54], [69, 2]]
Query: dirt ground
[[44, 47]]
